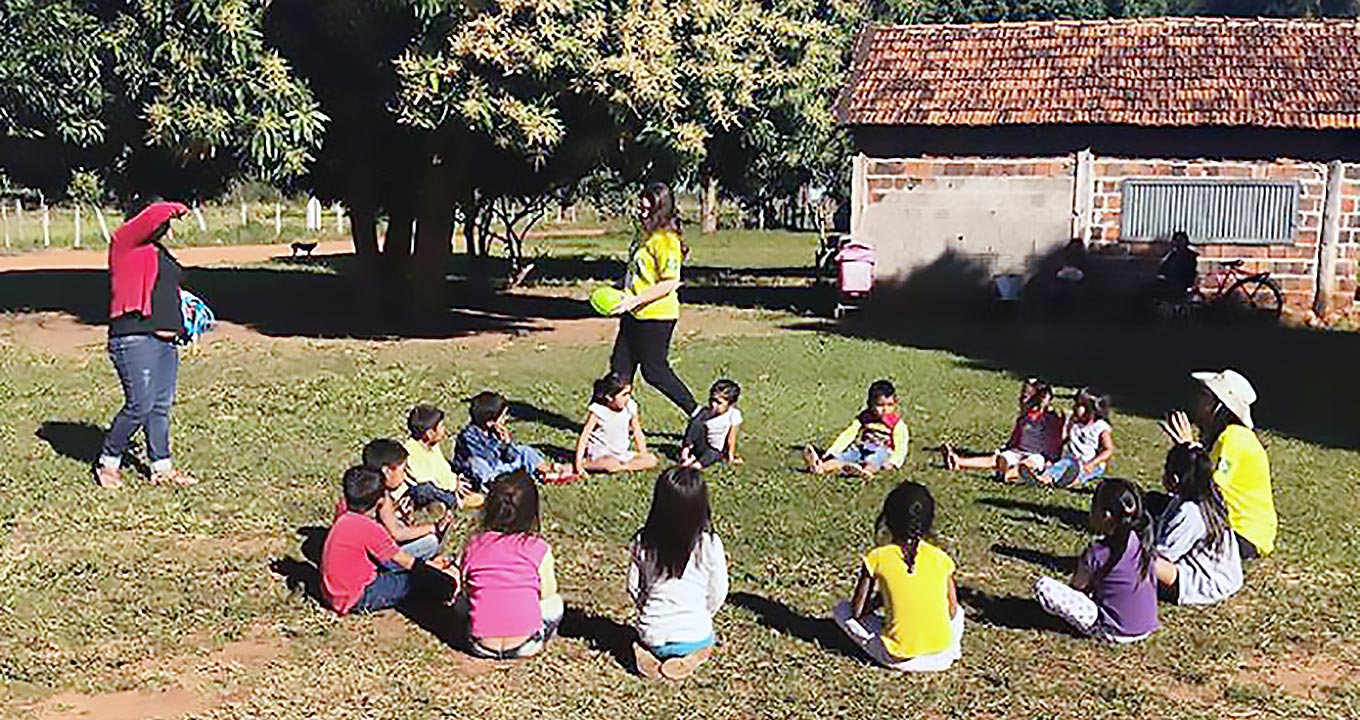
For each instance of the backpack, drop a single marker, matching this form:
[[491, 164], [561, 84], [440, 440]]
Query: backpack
[[198, 317]]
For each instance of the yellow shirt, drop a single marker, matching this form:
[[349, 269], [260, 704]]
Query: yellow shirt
[[916, 602], [656, 260], [1242, 472], [427, 464], [855, 431]]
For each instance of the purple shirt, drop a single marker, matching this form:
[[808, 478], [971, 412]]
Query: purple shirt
[[1126, 596]]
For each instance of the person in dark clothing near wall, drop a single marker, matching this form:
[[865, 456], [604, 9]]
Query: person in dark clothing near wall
[[145, 321], [1179, 269]]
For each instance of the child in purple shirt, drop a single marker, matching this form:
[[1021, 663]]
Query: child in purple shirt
[[1113, 595]]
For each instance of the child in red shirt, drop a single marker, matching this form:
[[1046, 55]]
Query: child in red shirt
[[1035, 441]]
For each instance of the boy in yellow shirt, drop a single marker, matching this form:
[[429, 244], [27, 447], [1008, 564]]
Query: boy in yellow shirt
[[433, 477]]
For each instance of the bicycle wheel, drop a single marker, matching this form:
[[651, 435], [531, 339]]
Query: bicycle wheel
[[1254, 299]]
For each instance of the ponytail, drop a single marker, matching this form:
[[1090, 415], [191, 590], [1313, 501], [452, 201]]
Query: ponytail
[[1121, 501]]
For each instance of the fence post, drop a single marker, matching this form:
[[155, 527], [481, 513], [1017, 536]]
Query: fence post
[[1324, 280], [198, 215], [4, 211], [244, 220], [46, 223], [339, 218], [77, 244], [103, 225], [278, 219]]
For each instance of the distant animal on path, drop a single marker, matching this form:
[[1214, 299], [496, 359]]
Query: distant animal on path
[[303, 248]]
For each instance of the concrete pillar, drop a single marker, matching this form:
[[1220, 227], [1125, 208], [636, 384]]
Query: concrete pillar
[[1083, 196], [1325, 280], [859, 192]]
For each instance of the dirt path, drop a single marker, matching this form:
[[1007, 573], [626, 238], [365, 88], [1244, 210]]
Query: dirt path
[[97, 258]]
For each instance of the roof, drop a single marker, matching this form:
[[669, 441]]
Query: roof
[[1150, 72]]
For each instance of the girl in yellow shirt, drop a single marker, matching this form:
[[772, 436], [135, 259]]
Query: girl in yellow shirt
[[922, 625], [651, 306]]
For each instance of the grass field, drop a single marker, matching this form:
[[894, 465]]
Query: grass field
[[204, 590]]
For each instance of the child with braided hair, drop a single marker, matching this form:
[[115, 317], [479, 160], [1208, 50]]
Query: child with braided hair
[[1113, 594], [922, 624]]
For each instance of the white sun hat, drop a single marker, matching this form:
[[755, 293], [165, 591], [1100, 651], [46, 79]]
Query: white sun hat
[[1231, 389]]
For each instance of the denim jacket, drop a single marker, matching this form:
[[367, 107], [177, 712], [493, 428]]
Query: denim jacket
[[474, 441]]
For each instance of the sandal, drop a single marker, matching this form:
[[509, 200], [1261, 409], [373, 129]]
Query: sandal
[[648, 665], [561, 477], [680, 668], [107, 477], [173, 477], [951, 459]]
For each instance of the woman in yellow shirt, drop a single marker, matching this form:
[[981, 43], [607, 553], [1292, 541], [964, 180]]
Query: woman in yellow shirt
[[1241, 467], [652, 302]]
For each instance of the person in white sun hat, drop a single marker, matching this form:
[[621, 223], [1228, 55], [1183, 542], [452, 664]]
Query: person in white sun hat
[[1241, 468]]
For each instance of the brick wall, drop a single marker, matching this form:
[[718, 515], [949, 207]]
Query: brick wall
[[1293, 266]]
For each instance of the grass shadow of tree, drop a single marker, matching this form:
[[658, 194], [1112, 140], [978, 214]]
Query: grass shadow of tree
[[788, 621]]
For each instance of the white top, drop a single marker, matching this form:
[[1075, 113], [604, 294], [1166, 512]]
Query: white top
[[718, 426], [1203, 577], [1083, 441], [679, 609], [611, 434]]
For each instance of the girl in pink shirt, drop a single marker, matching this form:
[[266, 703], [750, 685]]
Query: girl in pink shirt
[[513, 605]]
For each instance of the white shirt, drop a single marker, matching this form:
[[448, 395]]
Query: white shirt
[[717, 428], [1204, 577], [1083, 441], [679, 609], [612, 429]]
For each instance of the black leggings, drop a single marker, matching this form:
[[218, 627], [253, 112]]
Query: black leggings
[[648, 343]]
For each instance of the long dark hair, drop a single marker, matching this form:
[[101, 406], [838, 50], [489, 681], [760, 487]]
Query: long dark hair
[[662, 214], [1189, 470], [512, 505], [1097, 405], [908, 513], [676, 521], [1122, 502], [607, 387]]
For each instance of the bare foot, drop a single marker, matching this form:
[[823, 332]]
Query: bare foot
[[647, 664], [858, 471], [107, 477], [682, 667], [812, 460]]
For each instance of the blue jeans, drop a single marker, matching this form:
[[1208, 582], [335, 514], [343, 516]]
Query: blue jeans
[[386, 591], [1067, 473], [681, 649], [424, 493], [875, 456], [148, 368], [484, 472]]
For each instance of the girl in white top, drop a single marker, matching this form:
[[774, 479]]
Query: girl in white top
[[677, 578], [612, 425], [1197, 560], [1088, 443]]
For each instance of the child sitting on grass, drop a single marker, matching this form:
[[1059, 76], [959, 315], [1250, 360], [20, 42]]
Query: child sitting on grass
[[485, 449], [1088, 443], [875, 440], [396, 511], [923, 629], [512, 600], [677, 578], [1036, 439], [612, 424], [1113, 595], [712, 433], [359, 552], [433, 478], [1197, 561]]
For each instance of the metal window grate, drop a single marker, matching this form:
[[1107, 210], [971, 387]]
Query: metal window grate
[[1223, 211]]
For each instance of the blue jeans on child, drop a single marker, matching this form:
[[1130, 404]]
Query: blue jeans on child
[[148, 368], [386, 591], [681, 649], [869, 455], [484, 472], [423, 494], [1067, 473]]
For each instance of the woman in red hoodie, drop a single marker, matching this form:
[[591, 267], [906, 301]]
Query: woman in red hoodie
[[144, 322]]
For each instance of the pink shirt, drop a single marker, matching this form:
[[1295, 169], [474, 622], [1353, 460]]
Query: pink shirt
[[501, 573], [354, 546]]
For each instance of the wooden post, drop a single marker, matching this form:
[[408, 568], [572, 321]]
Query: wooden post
[[46, 223], [198, 215], [244, 219], [1325, 278], [4, 212], [103, 225], [77, 224], [278, 219]]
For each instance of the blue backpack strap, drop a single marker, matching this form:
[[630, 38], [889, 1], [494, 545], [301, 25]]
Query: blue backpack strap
[[198, 317]]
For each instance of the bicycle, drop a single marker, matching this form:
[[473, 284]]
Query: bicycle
[[1237, 295]]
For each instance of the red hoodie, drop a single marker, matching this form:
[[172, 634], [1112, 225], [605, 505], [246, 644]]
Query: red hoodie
[[133, 263]]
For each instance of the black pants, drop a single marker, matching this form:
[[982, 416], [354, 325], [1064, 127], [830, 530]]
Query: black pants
[[648, 343], [696, 439]]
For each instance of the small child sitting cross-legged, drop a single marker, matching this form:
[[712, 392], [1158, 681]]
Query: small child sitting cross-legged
[[362, 569], [875, 440], [396, 511], [612, 425], [677, 578], [513, 605], [1036, 438], [485, 449], [712, 434], [1113, 595], [433, 478], [923, 627]]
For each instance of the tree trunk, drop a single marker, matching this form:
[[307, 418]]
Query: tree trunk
[[434, 243], [708, 206], [363, 230]]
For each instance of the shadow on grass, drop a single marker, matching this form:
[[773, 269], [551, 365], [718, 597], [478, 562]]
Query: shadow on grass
[[82, 442], [600, 633], [1016, 613], [1064, 564], [784, 619], [537, 415], [1071, 517]]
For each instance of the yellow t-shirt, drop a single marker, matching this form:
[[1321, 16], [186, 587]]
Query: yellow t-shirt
[[427, 464], [655, 260], [916, 602], [1242, 472]]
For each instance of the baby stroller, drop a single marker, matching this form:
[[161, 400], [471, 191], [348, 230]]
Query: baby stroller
[[854, 275]]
